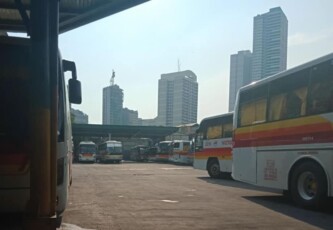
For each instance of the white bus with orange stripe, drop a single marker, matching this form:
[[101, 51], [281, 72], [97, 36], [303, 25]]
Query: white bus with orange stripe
[[163, 151], [181, 152], [213, 146], [283, 132], [87, 151]]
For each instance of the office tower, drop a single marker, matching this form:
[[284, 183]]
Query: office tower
[[177, 98], [270, 34], [112, 105], [130, 117], [240, 74]]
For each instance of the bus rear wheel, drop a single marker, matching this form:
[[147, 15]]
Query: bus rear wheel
[[308, 185], [213, 169]]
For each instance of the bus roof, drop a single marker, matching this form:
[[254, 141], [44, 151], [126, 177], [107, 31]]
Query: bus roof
[[86, 143], [112, 142], [180, 141], [215, 120], [161, 142], [288, 72]]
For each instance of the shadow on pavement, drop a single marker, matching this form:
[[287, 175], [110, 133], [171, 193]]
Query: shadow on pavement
[[238, 184], [321, 218]]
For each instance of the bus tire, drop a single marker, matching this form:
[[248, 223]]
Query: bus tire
[[58, 221], [308, 185], [213, 169]]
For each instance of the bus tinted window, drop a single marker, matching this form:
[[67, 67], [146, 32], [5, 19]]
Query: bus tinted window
[[214, 132], [87, 148], [227, 130], [176, 145], [253, 106], [288, 96], [321, 88], [114, 149], [253, 112]]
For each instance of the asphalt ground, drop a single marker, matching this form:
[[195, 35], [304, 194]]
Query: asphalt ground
[[165, 196]]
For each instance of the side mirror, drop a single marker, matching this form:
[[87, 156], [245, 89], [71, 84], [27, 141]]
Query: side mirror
[[74, 90], [74, 86]]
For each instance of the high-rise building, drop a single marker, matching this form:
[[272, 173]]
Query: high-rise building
[[130, 117], [112, 105], [240, 74], [270, 39], [177, 98]]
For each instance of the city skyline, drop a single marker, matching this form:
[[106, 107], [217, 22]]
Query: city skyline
[[145, 41], [268, 56], [177, 102]]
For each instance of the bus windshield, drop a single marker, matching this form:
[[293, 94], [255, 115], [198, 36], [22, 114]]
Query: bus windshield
[[164, 147], [114, 149], [87, 149]]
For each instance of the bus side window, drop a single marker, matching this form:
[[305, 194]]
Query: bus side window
[[321, 98], [227, 130], [253, 106], [321, 88], [253, 112], [288, 96], [214, 132], [292, 106]]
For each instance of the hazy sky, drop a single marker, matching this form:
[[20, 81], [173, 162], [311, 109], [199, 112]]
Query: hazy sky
[[146, 41]]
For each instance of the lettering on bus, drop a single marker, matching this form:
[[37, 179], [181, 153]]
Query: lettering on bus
[[229, 143], [270, 172], [309, 138], [308, 153], [218, 143]]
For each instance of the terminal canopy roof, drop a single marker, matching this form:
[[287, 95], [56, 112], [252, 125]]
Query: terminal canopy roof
[[15, 14], [122, 130]]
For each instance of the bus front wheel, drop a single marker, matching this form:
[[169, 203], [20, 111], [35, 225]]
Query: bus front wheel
[[308, 185], [213, 169]]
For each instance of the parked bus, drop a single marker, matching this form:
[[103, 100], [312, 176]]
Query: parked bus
[[24, 125], [139, 153], [110, 151], [86, 151], [181, 152], [163, 152], [213, 146], [283, 132], [152, 152]]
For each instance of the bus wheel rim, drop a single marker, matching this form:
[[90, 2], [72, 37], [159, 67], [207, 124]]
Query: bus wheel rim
[[307, 185], [215, 169]]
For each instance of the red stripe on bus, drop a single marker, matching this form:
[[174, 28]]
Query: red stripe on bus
[[304, 129], [164, 156], [286, 139], [216, 152]]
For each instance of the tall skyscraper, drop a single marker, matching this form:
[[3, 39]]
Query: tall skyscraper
[[130, 117], [113, 98], [270, 39], [177, 98], [240, 74]]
